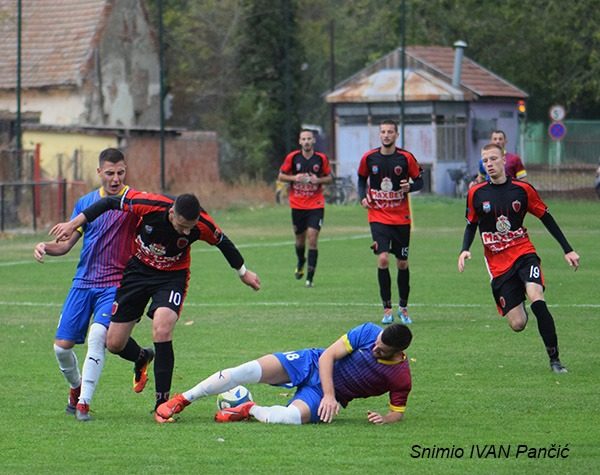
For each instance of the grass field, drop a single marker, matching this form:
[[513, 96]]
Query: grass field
[[477, 386]]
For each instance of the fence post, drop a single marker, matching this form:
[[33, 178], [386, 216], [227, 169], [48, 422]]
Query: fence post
[[33, 206], [2, 207]]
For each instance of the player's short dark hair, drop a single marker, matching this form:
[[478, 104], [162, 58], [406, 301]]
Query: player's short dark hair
[[397, 336], [187, 206], [389, 122], [313, 132], [112, 155], [498, 131], [489, 146]]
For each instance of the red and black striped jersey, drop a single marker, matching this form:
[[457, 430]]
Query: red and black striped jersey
[[499, 211], [384, 174], [157, 244], [306, 195]]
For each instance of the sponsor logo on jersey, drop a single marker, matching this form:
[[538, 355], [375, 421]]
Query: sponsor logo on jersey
[[386, 184], [487, 207], [375, 169], [398, 170], [182, 242], [148, 228], [298, 167], [516, 206], [502, 224]]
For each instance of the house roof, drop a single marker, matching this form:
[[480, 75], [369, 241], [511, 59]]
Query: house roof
[[58, 38], [429, 67]]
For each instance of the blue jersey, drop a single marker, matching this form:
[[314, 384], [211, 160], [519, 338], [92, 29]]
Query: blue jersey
[[361, 375], [107, 245]]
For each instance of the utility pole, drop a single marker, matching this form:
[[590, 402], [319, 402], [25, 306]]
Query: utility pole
[[161, 59], [19, 139], [403, 68]]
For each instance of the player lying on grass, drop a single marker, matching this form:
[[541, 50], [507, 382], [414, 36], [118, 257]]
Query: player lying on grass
[[367, 361]]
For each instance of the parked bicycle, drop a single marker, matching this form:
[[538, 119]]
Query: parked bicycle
[[461, 179], [342, 191]]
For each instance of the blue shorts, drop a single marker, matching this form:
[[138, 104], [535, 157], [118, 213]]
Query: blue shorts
[[302, 367], [78, 309]]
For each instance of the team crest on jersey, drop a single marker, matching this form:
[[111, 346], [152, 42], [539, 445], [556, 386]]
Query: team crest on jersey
[[516, 206], [298, 166], [316, 168], [398, 170], [386, 184], [374, 169], [487, 207], [148, 228], [502, 224], [182, 242]]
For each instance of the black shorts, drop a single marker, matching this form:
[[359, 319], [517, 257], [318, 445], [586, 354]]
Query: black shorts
[[307, 218], [509, 288], [391, 238], [141, 284]]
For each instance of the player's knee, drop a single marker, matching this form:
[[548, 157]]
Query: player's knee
[[383, 260]]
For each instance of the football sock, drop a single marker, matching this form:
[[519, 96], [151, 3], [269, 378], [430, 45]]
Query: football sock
[[132, 351], [68, 364], [94, 362], [276, 414], [385, 286], [300, 250], [546, 328], [164, 362], [313, 255], [247, 373], [402, 280]]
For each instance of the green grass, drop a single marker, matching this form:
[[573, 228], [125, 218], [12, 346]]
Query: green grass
[[474, 381]]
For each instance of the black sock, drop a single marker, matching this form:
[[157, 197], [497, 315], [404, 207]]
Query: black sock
[[385, 287], [300, 250], [132, 351], [313, 255], [164, 361], [402, 280], [546, 328]]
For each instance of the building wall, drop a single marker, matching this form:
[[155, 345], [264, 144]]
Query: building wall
[[56, 106], [73, 156], [123, 86]]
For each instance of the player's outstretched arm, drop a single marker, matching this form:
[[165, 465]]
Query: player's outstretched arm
[[54, 248], [389, 418], [64, 231]]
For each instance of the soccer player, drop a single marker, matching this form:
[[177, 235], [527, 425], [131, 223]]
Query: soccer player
[[367, 361], [514, 166], [158, 271], [92, 293], [498, 208], [307, 171], [383, 187]]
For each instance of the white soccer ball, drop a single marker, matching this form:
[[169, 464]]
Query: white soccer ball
[[234, 397]]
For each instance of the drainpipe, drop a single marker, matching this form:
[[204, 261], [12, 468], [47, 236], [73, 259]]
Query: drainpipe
[[459, 51]]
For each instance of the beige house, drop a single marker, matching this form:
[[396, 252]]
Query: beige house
[[85, 63]]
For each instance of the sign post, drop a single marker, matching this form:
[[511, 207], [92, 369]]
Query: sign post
[[557, 129]]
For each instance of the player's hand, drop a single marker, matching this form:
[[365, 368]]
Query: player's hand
[[374, 417], [572, 259], [328, 408], [251, 280], [62, 231], [39, 252], [464, 255], [404, 186]]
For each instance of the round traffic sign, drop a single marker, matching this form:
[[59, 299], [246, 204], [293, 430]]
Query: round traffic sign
[[557, 130], [557, 113]]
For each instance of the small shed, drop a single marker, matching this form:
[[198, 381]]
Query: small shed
[[451, 106]]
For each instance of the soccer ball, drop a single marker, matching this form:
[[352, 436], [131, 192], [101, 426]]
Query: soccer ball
[[234, 397]]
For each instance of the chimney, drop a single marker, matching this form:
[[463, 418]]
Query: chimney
[[459, 51]]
